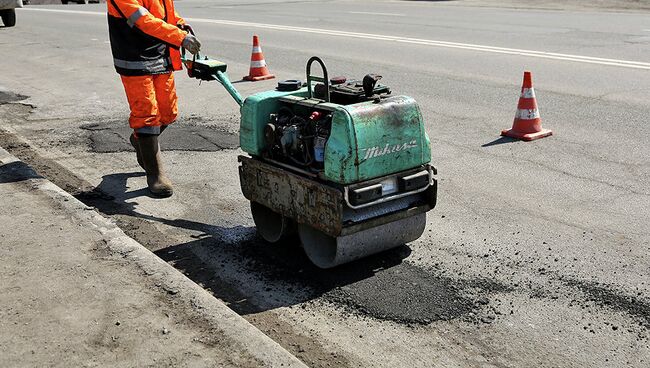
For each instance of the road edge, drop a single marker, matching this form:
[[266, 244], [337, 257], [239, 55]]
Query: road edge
[[234, 326]]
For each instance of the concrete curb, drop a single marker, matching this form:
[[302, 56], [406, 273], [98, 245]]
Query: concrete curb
[[233, 326]]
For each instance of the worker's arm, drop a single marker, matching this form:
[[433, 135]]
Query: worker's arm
[[138, 16], [179, 19], [191, 43]]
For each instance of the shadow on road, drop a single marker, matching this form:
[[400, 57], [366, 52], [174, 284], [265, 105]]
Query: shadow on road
[[212, 259], [500, 140], [288, 277], [16, 171], [111, 195], [252, 276]]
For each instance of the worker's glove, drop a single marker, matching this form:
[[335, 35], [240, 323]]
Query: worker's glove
[[184, 26], [191, 44]]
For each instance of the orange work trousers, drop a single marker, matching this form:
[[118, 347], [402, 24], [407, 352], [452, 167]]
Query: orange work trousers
[[153, 101]]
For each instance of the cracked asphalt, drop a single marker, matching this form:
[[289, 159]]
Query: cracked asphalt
[[537, 254]]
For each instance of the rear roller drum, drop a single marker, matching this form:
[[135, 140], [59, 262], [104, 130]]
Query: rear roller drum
[[326, 251], [271, 225]]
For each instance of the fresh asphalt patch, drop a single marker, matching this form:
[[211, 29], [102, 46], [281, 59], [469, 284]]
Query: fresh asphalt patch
[[382, 286], [409, 295], [113, 136]]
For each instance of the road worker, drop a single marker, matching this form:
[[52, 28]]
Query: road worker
[[146, 36]]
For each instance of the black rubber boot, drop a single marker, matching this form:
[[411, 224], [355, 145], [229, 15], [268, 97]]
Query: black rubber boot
[[134, 143], [158, 183]]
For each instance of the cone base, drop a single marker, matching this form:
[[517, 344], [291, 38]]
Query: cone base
[[260, 78], [526, 136]]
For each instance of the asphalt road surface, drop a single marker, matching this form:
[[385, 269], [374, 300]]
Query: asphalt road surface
[[537, 254]]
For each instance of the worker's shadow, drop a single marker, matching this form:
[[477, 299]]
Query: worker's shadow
[[112, 195], [222, 265]]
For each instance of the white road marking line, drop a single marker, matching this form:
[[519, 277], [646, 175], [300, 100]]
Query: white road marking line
[[62, 11], [418, 41], [385, 14]]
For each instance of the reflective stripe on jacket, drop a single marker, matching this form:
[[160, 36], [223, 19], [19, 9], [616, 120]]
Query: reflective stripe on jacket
[[145, 38]]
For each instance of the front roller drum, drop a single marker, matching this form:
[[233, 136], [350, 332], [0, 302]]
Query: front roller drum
[[326, 251], [271, 225]]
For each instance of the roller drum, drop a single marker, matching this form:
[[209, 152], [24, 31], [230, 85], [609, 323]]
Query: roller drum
[[326, 251], [271, 226]]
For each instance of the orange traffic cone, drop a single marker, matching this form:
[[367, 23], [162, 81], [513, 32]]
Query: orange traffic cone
[[258, 70], [527, 125]]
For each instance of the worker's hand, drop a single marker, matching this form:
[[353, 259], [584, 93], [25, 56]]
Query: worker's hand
[[185, 27], [191, 44]]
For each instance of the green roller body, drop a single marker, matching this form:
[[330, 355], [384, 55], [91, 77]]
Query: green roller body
[[374, 187], [255, 114], [368, 140]]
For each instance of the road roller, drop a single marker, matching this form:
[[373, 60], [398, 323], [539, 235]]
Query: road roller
[[340, 161]]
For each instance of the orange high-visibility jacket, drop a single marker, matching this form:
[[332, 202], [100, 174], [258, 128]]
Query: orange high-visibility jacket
[[145, 37]]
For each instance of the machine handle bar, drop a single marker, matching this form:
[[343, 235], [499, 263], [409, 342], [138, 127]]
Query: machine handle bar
[[324, 79], [190, 30]]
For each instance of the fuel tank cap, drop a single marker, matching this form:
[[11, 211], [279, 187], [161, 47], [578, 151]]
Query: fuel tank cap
[[289, 85]]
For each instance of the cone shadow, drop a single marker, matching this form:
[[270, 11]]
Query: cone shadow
[[500, 140]]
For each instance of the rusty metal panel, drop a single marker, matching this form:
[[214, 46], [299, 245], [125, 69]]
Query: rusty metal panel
[[305, 201]]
